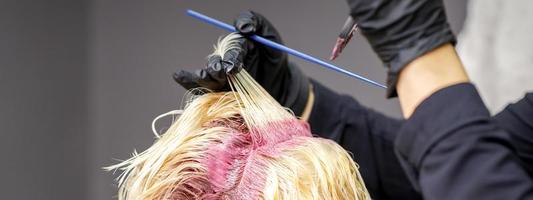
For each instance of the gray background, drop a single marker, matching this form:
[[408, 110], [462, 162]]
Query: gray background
[[81, 81]]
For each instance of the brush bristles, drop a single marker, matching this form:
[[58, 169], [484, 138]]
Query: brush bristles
[[239, 145]]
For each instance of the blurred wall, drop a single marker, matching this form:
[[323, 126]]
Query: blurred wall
[[43, 99], [80, 82]]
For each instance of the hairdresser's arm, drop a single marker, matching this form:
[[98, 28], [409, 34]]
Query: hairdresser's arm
[[517, 120], [449, 146], [366, 133]]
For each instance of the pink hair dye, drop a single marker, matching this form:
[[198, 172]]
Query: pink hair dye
[[234, 167]]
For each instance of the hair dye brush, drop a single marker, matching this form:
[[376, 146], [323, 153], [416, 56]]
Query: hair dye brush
[[346, 34], [240, 145]]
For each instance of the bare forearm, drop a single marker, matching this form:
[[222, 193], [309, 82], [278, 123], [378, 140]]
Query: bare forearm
[[427, 74]]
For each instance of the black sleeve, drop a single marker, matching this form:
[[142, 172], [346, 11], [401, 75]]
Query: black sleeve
[[517, 120], [368, 135], [451, 149]]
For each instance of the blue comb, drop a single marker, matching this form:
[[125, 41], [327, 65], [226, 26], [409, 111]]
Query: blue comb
[[283, 48]]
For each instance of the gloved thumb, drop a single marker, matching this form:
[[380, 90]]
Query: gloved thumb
[[186, 79], [247, 23]]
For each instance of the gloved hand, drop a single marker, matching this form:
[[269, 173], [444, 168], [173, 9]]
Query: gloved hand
[[270, 68], [401, 30]]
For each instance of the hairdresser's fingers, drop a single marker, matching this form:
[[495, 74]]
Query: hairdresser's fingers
[[233, 60], [258, 56], [186, 79], [250, 22], [207, 81], [200, 78], [216, 68], [246, 23]]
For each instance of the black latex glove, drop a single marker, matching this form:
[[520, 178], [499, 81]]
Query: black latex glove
[[270, 68], [401, 30]]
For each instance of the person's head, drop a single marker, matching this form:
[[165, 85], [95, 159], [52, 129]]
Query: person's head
[[240, 145]]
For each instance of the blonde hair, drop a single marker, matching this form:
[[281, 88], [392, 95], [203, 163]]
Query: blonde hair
[[240, 145]]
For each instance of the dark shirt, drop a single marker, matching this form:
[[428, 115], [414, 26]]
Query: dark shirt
[[368, 135], [517, 120], [440, 151], [450, 148]]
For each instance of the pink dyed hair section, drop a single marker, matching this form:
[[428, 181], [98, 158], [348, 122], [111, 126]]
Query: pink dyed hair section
[[235, 168]]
